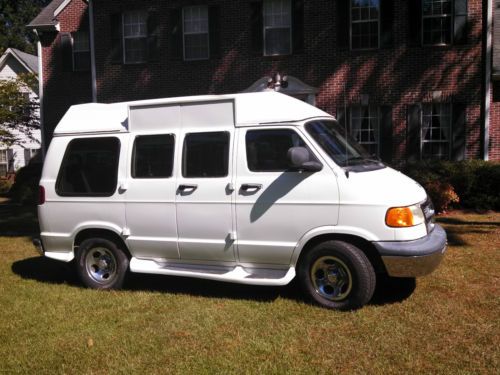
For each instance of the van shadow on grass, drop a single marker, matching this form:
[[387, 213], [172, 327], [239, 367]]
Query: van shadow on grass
[[389, 290], [456, 228]]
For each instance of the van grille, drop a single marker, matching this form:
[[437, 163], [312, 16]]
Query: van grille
[[429, 212]]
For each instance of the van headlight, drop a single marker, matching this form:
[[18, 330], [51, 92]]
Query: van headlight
[[404, 216]]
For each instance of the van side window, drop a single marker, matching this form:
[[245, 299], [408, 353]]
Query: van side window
[[89, 168], [153, 156], [206, 155], [267, 149]]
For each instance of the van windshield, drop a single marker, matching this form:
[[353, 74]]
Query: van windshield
[[341, 147]]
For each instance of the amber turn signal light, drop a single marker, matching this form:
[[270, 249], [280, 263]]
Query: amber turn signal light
[[404, 216]]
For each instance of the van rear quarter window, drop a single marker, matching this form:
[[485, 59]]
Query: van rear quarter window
[[89, 167]]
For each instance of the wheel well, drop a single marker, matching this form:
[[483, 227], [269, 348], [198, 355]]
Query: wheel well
[[365, 246], [101, 233]]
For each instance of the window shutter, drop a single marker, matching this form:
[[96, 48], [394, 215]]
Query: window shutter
[[415, 23], [116, 39], [256, 27], [67, 52], [214, 31], [386, 136], [386, 23], [153, 37], [343, 118], [10, 160], [298, 26], [27, 156], [175, 34], [460, 22], [343, 23], [458, 131], [414, 124]]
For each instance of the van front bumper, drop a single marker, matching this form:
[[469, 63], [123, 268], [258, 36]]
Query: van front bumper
[[413, 258]]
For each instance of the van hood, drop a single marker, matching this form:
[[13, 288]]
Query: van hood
[[384, 187]]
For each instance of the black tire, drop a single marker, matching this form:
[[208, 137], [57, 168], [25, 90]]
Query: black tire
[[100, 264], [337, 275]]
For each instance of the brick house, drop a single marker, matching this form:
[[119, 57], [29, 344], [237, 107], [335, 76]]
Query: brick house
[[409, 79]]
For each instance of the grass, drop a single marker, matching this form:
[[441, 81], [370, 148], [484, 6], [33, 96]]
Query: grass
[[447, 323]]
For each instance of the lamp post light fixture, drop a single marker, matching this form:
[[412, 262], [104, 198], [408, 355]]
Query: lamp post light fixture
[[277, 82]]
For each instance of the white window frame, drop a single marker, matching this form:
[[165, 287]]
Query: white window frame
[[75, 47], [265, 28], [442, 15], [448, 129], [370, 20], [373, 119], [140, 36], [184, 33], [4, 160]]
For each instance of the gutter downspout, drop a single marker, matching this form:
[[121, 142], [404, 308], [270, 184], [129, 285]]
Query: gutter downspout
[[488, 17], [40, 92], [92, 52]]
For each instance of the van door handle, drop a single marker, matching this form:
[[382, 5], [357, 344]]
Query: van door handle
[[247, 187], [185, 187]]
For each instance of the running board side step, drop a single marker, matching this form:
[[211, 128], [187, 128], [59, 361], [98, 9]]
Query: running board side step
[[238, 274]]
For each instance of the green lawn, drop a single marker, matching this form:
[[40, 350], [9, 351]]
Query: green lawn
[[449, 323]]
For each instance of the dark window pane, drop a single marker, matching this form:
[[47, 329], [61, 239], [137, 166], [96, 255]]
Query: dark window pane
[[196, 46], [447, 7], [356, 14], [427, 7], [278, 41], [364, 13], [89, 167], [153, 156], [206, 155], [135, 50], [267, 149]]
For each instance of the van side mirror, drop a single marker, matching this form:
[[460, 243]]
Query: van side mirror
[[299, 158]]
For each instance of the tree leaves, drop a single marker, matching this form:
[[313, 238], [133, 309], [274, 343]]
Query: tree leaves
[[14, 16], [19, 113]]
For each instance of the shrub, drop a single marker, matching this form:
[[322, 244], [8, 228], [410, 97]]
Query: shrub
[[472, 183], [442, 194], [5, 186], [25, 188]]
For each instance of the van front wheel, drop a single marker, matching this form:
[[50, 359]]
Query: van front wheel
[[101, 264], [337, 275]]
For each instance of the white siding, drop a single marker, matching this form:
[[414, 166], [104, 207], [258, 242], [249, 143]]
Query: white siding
[[11, 69]]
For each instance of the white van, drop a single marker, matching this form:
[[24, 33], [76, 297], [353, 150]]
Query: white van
[[246, 188]]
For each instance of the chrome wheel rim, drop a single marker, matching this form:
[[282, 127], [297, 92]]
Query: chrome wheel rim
[[100, 264], [331, 278]]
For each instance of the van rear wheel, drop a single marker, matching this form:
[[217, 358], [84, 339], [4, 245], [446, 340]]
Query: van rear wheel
[[101, 264], [337, 275]]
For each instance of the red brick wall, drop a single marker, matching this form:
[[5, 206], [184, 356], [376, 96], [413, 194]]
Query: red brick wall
[[399, 76], [63, 89]]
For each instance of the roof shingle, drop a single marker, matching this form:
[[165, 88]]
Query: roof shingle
[[46, 16]]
